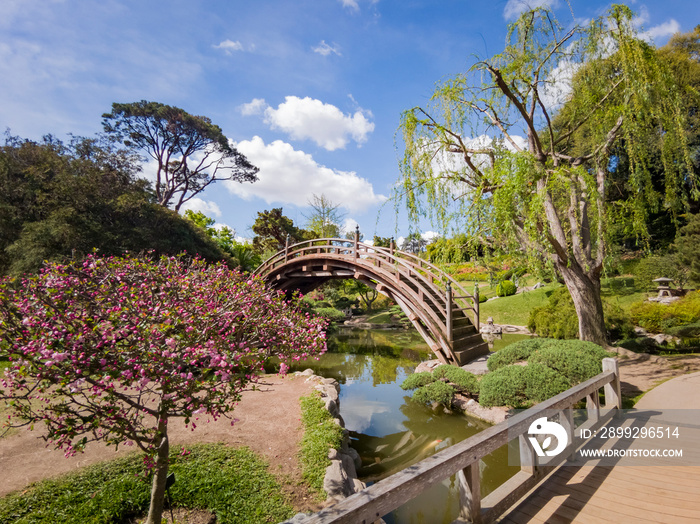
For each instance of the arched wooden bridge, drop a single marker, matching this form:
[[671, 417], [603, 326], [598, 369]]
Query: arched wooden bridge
[[441, 310]]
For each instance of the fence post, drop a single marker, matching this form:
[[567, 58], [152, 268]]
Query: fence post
[[593, 405], [357, 241], [566, 419], [476, 306], [613, 398], [528, 459], [470, 492], [448, 314]]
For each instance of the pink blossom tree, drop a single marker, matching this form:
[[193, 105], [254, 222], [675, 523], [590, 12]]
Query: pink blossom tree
[[111, 349]]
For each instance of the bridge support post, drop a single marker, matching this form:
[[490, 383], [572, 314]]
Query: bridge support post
[[286, 248]]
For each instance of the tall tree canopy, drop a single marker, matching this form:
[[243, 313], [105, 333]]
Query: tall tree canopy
[[61, 201], [325, 217], [271, 229], [242, 255], [547, 192], [190, 152]]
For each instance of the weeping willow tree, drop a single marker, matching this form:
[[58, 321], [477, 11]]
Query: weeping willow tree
[[528, 144]]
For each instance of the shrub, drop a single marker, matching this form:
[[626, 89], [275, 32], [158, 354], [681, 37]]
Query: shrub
[[329, 313], [515, 352], [650, 315], [687, 331], [576, 360], [657, 318], [482, 298], [558, 318], [651, 268], [520, 386], [435, 392], [462, 380], [506, 288], [418, 380], [441, 371]]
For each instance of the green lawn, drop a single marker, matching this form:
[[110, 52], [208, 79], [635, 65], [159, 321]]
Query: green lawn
[[622, 292], [515, 309], [234, 484]]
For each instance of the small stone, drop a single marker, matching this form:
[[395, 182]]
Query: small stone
[[358, 485]]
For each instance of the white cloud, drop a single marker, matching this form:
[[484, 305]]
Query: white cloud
[[430, 236], [255, 107], [664, 30], [209, 208], [325, 124], [352, 4], [558, 87], [290, 176], [324, 49], [348, 226], [228, 46], [514, 8]]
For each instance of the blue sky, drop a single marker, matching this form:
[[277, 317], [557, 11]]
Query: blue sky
[[310, 90]]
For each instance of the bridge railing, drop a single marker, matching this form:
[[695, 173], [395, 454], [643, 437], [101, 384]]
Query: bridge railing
[[463, 458], [357, 251]]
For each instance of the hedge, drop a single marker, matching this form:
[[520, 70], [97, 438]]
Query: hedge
[[521, 386], [515, 352], [576, 360]]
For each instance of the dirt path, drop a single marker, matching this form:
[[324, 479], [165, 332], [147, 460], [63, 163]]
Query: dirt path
[[268, 421], [640, 373]]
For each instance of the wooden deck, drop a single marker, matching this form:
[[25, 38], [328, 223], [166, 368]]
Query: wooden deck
[[595, 494], [634, 490]]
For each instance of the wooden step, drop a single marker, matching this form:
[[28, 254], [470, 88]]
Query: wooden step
[[465, 356], [467, 341], [463, 330]]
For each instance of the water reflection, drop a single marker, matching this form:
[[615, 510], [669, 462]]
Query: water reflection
[[391, 432]]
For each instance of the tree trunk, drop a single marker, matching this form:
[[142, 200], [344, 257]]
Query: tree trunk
[[155, 512], [585, 292]]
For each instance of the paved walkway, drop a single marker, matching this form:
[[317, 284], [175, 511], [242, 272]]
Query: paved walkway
[[679, 393], [646, 493]]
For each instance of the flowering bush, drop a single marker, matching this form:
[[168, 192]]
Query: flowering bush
[[111, 348]]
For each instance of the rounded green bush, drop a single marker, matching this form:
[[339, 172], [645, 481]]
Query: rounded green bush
[[435, 392], [506, 288], [442, 370], [418, 380], [576, 360], [462, 380], [520, 386], [512, 353], [330, 313]]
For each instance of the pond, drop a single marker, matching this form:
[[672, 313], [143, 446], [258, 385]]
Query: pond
[[388, 429]]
